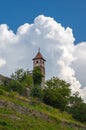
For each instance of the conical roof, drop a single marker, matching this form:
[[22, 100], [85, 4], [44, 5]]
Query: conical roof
[[39, 56]]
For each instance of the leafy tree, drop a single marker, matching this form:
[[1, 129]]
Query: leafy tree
[[78, 111], [16, 87], [18, 75], [77, 107], [23, 77], [75, 99], [27, 81], [57, 93]]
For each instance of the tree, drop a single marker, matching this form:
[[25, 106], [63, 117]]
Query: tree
[[22, 82], [23, 77], [57, 93], [75, 99], [78, 111], [77, 107], [18, 75], [15, 86]]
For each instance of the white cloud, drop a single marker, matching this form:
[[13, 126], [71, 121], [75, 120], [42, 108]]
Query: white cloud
[[64, 59], [2, 62], [80, 64]]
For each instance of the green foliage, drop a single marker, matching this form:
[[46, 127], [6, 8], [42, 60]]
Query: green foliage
[[16, 87], [2, 91], [27, 81], [77, 107], [75, 99], [37, 76], [21, 80], [19, 113], [18, 75], [37, 92], [23, 77], [4, 123], [57, 93], [78, 111], [13, 94], [55, 83]]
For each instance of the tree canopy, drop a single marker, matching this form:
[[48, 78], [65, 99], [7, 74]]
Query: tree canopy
[[57, 93], [23, 77]]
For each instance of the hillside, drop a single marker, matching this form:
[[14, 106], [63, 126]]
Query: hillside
[[20, 113]]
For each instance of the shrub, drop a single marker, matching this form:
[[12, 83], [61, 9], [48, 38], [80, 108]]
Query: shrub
[[37, 92], [78, 111], [16, 87], [2, 92], [13, 94]]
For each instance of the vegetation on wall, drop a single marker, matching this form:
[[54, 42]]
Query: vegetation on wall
[[37, 76], [36, 90]]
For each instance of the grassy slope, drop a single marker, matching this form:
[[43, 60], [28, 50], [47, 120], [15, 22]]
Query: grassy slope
[[20, 113]]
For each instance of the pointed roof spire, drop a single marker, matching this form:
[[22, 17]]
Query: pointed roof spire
[[39, 55], [39, 49]]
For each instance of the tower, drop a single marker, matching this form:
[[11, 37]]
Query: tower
[[39, 61]]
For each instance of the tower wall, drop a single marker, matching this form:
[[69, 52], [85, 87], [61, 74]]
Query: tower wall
[[39, 61]]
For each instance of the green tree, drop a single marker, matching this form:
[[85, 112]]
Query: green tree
[[75, 99], [19, 74], [78, 111], [57, 93], [77, 107], [15, 86], [23, 77], [22, 82]]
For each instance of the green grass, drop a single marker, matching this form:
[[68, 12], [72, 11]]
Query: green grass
[[20, 113], [24, 122]]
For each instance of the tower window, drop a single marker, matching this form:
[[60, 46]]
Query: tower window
[[36, 61]]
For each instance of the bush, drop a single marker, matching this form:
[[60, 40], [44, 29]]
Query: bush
[[55, 99], [2, 92], [37, 92], [13, 94], [3, 123], [78, 111], [57, 93], [16, 87]]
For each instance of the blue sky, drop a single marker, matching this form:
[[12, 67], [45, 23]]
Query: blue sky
[[70, 13]]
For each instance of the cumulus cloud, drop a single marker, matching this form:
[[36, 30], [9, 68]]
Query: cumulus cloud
[[80, 64], [64, 59], [2, 62]]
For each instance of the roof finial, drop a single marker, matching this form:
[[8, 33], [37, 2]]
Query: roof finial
[[39, 49]]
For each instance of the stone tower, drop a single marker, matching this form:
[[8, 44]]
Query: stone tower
[[39, 61]]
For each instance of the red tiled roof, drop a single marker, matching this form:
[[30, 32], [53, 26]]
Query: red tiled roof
[[39, 56]]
